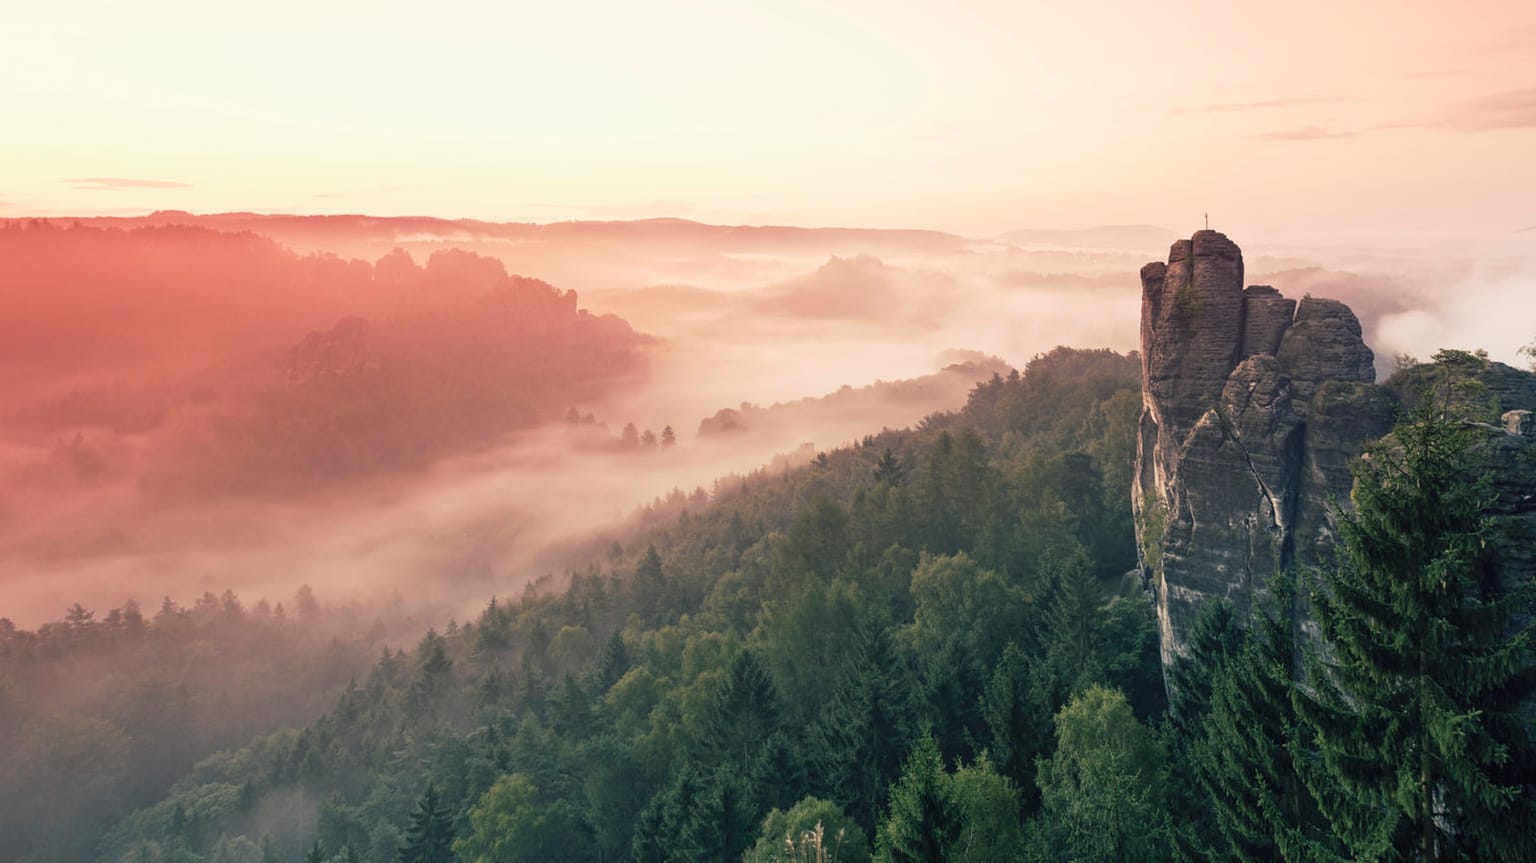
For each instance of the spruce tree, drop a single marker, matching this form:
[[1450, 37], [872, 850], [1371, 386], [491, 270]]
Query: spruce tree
[[1191, 680], [857, 743], [429, 838], [1212, 641], [1416, 693], [1244, 757], [1018, 720], [924, 820], [743, 713]]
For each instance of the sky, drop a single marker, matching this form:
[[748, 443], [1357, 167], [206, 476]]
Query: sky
[[1301, 118]]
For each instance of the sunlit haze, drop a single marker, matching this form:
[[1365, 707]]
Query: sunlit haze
[[1292, 119]]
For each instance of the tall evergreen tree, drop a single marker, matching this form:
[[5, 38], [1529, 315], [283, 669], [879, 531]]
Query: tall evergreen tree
[[1018, 720], [429, 838], [650, 585], [695, 820], [743, 714], [1214, 638], [860, 736], [1416, 694], [613, 663], [1244, 757], [924, 820]]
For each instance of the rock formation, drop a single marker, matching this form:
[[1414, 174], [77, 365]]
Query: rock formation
[[1254, 405]]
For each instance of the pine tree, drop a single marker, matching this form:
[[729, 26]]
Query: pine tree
[[1214, 638], [650, 585], [1018, 722], [858, 741], [1416, 694], [1244, 758], [924, 821], [743, 714], [613, 663], [694, 820], [429, 838], [888, 469]]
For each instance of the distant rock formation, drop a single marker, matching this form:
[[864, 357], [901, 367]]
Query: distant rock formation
[[340, 354], [1254, 405]]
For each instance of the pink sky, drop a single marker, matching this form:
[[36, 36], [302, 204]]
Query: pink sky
[[1294, 118]]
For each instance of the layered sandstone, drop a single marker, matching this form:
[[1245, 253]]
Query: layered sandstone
[[1254, 408]]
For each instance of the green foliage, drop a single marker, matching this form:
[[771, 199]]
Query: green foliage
[[1103, 788], [924, 821], [790, 635], [812, 831], [1214, 637], [1248, 740], [859, 738], [888, 469], [429, 838], [697, 818], [1016, 708], [1416, 696], [989, 803], [513, 823], [963, 617]]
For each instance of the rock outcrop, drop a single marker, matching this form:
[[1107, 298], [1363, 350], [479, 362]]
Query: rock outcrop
[[1254, 407]]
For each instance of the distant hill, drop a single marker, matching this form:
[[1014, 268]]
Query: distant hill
[[193, 358], [337, 232]]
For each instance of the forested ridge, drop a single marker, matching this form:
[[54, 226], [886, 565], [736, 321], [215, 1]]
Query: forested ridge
[[923, 646]]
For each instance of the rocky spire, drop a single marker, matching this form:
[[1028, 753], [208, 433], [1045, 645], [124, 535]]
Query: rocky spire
[[1253, 406]]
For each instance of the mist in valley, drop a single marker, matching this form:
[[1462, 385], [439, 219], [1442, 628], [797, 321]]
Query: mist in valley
[[195, 410]]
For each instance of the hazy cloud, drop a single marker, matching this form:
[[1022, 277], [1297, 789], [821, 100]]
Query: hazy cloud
[[1304, 133], [653, 209], [1515, 109], [1230, 107], [113, 184]]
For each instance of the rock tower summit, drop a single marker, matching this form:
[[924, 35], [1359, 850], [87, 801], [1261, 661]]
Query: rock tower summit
[[1253, 406]]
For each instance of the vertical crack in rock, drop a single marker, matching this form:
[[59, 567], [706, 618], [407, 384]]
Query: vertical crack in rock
[[1229, 378], [1253, 408]]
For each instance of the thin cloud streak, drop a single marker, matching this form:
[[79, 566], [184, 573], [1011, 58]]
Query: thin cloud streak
[[1515, 109], [113, 184], [1231, 107], [1305, 133]]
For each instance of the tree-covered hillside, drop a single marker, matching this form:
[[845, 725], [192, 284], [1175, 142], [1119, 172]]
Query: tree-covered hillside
[[923, 647], [888, 642]]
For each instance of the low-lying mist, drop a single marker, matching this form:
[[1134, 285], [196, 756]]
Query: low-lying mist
[[184, 420]]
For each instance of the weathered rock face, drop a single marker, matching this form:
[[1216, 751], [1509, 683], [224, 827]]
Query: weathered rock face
[[1253, 407]]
